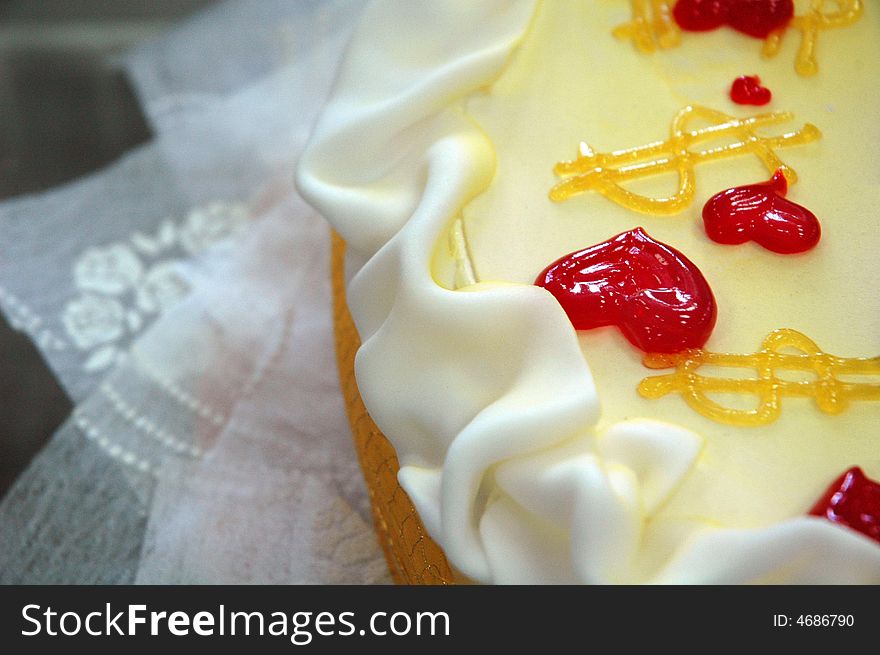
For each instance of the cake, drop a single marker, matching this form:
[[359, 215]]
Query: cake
[[613, 269]]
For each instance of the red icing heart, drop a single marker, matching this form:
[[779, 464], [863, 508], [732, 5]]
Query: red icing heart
[[655, 295], [761, 213], [747, 90], [756, 18], [852, 500]]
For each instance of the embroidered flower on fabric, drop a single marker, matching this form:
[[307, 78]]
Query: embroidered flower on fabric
[[109, 270], [91, 320], [123, 283], [209, 225], [161, 287]]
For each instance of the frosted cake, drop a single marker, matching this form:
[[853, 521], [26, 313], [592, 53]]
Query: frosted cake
[[613, 267]]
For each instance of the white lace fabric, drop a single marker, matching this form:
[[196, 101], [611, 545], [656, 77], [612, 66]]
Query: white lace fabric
[[182, 298]]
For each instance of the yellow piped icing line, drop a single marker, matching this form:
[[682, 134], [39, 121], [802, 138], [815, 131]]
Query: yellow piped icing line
[[652, 25], [604, 172], [810, 24], [465, 274], [831, 394]]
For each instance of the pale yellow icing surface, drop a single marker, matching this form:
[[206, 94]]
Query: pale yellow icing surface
[[571, 81]]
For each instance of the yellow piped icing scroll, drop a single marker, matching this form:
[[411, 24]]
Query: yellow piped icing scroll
[[603, 172], [831, 394], [652, 25], [810, 24]]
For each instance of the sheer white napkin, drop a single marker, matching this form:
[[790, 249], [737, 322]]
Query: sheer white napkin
[[182, 297]]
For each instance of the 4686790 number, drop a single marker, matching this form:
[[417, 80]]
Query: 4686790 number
[[825, 620]]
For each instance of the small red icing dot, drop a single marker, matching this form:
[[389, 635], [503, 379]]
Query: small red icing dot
[[852, 500], [761, 213], [655, 295], [747, 90]]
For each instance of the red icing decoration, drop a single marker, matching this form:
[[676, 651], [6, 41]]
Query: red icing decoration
[[655, 295], [757, 18], [852, 500], [747, 90], [761, 213]]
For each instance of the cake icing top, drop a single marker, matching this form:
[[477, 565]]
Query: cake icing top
[[526, 446]]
